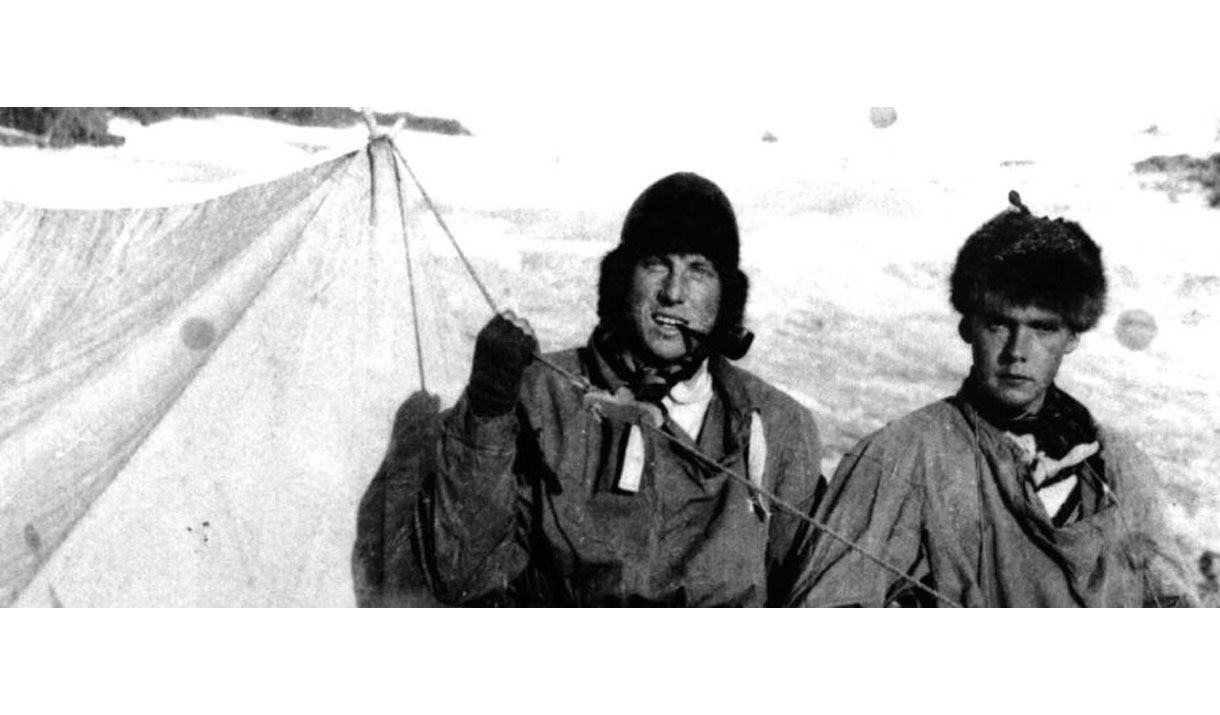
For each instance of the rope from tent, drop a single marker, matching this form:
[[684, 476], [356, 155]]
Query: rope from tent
[[402, 217], [576, 380], [586, 387], [445, 227]]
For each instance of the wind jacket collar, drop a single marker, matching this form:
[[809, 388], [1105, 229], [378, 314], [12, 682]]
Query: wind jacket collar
[[605, 371], [609, 371]]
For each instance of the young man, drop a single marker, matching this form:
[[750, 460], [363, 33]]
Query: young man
[[1008, 493], [535, 500]]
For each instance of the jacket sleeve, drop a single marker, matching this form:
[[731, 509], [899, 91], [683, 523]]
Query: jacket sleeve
[[1150, 543], [875, 503], [471, 510], [798, 481], [386, 570]]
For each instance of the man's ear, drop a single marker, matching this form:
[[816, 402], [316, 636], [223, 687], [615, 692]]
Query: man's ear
[[1072, 343], [963, 329]]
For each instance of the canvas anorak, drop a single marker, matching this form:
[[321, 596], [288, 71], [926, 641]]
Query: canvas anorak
[[938, 495], [524, 509]]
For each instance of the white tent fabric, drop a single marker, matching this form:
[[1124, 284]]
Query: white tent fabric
[[193, 398]]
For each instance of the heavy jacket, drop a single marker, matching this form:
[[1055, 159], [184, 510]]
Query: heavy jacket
[[524, 509], [937, 495]]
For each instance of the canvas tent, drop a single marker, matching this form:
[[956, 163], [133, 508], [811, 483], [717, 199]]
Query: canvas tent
[[193, 398]]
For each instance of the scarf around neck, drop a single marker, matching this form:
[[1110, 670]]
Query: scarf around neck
[[649, 383], [1061, 425]]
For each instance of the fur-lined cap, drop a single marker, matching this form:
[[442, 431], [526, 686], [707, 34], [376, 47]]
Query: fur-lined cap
[[682, 213], [1030, 260]]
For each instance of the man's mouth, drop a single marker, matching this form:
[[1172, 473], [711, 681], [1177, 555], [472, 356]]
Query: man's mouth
[[669, 324]]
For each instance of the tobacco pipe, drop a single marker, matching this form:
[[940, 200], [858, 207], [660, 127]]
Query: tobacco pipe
[[733, 343]]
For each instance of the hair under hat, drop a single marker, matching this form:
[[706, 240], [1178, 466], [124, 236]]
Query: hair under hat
[[1031, 260]]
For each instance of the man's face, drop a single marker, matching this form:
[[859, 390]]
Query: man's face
[[1017, 351], [666, 292]]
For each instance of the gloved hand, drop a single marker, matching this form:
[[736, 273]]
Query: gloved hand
[[504, 348]]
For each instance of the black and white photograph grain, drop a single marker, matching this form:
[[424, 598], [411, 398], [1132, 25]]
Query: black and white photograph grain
[[662, 330]]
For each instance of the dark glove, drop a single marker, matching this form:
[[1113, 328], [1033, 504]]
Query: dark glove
[[501, 354]]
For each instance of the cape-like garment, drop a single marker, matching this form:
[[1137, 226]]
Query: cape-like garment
[[939, 495]]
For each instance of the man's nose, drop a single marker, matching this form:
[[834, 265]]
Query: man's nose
[[673, 287], [1016, 348]]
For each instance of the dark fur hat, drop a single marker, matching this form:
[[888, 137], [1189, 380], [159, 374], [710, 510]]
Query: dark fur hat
[[681, 213], [1029, 260]]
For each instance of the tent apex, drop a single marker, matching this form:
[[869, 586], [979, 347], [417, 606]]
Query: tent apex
[[371, 122], [375, 131]]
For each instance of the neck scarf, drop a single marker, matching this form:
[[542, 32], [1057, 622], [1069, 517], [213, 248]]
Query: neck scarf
[[649, 383], [682, 391], [1062, 430]]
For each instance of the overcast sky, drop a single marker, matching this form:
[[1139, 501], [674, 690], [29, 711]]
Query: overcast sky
[[756, 64], [534, 67]]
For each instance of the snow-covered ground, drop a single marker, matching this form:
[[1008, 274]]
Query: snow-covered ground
[[849, 232]]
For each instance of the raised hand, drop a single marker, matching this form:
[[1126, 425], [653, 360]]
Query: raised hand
[[504, 348]]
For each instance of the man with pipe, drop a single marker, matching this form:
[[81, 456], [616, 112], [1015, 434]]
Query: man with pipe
[[535, 499]]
